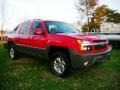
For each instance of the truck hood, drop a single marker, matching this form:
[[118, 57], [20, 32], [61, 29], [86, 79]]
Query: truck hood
[[83, 36]]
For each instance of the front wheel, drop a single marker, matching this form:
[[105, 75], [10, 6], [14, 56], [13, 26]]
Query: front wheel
[[60, 64]]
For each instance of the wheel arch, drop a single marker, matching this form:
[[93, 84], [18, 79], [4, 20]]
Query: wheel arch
[[53, 49], [9, 43]]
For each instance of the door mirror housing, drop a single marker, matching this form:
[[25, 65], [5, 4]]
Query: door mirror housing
[[38, 31]]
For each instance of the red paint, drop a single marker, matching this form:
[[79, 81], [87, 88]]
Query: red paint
[[68, 40]]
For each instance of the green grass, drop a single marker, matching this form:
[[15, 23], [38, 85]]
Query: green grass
[[29, 73]]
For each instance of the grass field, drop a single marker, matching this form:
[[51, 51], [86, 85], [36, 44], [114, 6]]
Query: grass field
[[29, 73]]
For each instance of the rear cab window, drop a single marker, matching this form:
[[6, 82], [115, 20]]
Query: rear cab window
[[24, 28]]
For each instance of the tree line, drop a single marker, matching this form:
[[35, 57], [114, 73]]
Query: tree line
[[95, 14]]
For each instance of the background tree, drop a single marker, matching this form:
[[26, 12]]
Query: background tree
[[103, 14], [112, 16], [98, 17], [86, 9], [2, 7]]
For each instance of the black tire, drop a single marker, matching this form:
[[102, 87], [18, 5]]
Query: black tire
[[60, 64], [12, 52]]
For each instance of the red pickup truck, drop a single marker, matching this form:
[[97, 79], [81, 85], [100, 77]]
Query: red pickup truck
[[59, 43]]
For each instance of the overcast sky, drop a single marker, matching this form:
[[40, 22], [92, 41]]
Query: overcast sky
[[62, 10]]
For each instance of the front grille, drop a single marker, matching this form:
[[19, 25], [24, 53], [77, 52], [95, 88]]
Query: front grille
[[99, 41], [101, 45]]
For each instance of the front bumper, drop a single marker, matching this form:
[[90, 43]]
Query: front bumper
[[87, 59]]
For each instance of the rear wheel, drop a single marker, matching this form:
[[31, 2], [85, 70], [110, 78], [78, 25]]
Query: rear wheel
[[60, 64], [12, 52]]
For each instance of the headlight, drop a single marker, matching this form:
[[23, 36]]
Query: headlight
[[83, 42], [84, 45]]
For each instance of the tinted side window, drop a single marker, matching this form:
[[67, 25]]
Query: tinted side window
[[24, 28], [36, 25]]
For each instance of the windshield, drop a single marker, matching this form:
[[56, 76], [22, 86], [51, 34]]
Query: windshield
[[59, 27]]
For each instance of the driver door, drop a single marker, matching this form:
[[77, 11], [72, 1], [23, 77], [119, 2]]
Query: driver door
[[37, 42]]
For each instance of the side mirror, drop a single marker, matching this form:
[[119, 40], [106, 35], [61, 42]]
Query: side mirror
[[38, 31]]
